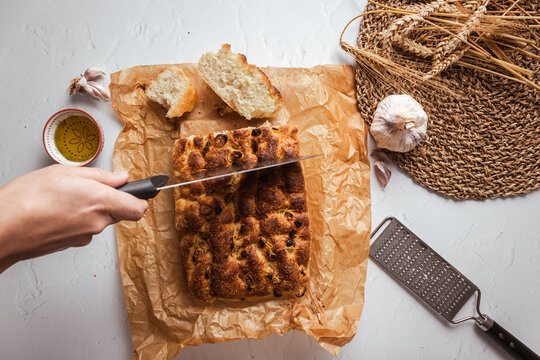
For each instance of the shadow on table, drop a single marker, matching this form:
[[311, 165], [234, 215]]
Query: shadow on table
[[291, 346]]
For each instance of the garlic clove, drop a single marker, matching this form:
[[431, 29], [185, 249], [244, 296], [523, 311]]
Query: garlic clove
[[382, 172], [93, 73], [380, 155], [87, 89], [399, 123], [99, 88], [94, 92]]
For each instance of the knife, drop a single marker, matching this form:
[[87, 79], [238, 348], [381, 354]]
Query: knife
[[150, 187]]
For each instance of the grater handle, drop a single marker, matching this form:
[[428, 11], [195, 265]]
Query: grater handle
[[508, 341]]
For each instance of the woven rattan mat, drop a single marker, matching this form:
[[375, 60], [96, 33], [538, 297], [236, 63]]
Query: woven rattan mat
[[483, 140]]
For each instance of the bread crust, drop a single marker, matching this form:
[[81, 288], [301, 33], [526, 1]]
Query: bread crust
[[186, 104], [243, 237]]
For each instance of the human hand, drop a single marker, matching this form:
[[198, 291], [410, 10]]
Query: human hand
[[58, 207]]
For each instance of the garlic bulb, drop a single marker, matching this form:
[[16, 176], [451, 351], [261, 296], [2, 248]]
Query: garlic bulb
[[399, 123]]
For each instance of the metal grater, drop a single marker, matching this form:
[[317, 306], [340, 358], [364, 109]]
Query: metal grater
[[433, 280], [424, 272]]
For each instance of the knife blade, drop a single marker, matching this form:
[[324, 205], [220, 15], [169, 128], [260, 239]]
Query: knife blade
[[150, 187]]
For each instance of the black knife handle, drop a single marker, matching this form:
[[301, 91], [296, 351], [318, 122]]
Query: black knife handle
[[508, 341], [145, 188]]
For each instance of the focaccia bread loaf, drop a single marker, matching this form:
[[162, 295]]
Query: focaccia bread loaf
[[243, 237]]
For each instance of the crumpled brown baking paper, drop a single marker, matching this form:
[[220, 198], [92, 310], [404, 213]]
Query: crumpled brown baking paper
[[163, 316]]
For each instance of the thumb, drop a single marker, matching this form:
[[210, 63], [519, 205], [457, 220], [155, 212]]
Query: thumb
[[113, 179]]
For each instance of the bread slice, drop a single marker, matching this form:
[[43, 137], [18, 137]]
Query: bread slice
[[174, 91], [244, 87]]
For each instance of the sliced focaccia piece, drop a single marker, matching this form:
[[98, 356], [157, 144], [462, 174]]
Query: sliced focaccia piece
[[244, 87], [173, 90]]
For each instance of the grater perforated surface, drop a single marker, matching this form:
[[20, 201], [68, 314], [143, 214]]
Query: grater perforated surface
[[421, 270]]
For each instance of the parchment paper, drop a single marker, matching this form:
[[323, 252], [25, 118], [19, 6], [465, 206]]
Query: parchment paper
[[163, 316]]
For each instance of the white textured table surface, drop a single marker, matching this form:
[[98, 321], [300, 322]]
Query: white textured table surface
[[70, 305]]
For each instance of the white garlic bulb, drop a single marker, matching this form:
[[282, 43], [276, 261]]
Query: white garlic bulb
[[399, 123]]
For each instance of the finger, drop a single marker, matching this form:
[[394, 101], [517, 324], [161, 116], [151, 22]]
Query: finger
[[123, 206], [113, 179]]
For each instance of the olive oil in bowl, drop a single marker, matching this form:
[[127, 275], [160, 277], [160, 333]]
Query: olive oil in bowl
[[72, 137], [77, 138]]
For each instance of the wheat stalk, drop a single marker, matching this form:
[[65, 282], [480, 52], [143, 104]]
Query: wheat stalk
[[442, 58], [473, 39]]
